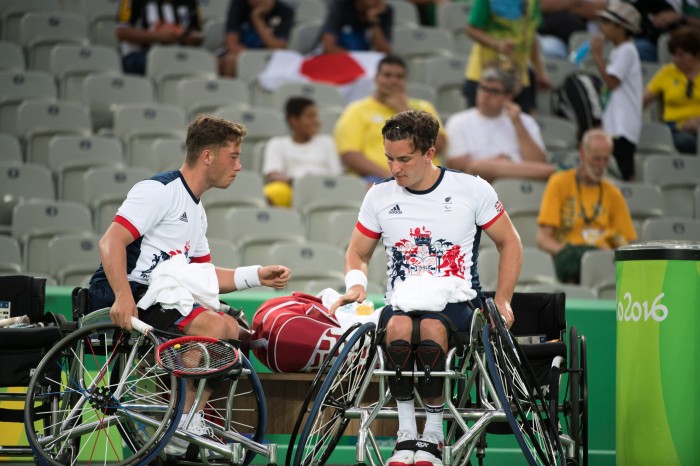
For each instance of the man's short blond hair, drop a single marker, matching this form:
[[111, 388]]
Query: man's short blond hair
[[211, 132]]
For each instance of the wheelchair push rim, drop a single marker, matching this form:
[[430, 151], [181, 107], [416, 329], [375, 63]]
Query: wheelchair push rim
[[341, 390], [98, 396]]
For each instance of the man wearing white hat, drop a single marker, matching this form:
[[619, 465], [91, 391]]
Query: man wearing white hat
[[622, 118]]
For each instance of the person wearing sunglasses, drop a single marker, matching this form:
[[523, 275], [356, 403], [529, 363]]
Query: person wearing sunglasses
[[677, 84], [496, 139]]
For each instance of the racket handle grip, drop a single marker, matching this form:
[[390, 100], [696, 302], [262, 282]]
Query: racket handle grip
[[139, 325]]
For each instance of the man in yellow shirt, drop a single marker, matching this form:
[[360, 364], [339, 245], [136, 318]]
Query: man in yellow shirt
[[581, 210], [358, 132]]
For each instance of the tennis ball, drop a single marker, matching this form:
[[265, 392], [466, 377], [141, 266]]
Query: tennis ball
[[177, 345]]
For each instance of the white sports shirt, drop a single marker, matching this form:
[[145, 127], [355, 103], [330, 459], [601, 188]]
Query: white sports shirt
[[165, 219], [435, 232]]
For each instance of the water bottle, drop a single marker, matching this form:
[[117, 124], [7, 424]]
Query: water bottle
[[577, 56]]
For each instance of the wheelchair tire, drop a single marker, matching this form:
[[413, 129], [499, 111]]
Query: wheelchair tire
[[519, 392], [73, 386], [584, 402], [340, 390], [313, 390]]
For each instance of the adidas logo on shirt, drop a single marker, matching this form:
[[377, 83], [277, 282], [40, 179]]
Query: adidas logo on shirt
[[183, 217], [395, 210]]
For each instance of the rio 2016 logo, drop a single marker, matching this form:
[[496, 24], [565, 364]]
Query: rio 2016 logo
[[635, 311]]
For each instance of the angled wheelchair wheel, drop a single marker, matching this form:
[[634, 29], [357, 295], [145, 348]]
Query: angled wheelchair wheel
[[520, 395], [576, 404], [239, 411], [340, 390], [313, 391], [98, 397]]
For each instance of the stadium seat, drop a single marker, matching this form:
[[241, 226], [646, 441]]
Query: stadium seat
[[250, 63], [69, 157], [105, 93], [19, 183], [245, 191], [204, 95], [521, 199], [696, 201], [328, 116], [677, 177], [213, 34], [557, 70], [166, 154], [405, 13], [337, 230], [139, 124], [558, 134], [670, 228], [304, 37], [105, 188], [35, 222], [598, 272], [224, 253], [39, 31], [73, 257], [212, 9], [664, 56], [420, 43], [17, 86], [309, 260], [643, 201], [316, 196], [166, 65], [446, 75], [71, 63], [655, 138], [255, 229], [325, 95], [538, 267], [422, 91], [11, 56], [11, 11], [10, 150], [452, 16], [39, 120], [306, 11], [10, 255]]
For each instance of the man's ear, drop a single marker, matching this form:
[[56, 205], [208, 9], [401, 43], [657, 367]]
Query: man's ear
[[207, 156], [430, 153]]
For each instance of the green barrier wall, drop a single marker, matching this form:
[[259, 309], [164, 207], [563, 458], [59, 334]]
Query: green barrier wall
[[594, 319]]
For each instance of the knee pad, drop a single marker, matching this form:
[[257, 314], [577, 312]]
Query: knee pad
[[399, 357], [430, 357]]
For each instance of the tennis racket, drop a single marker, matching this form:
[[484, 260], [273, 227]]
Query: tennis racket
[[191, 356]]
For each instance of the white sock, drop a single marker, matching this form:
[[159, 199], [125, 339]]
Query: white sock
[[433, 421], [407, 417]]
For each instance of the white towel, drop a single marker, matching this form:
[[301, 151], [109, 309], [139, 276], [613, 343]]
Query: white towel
[[176, 284], [347, 315], [429, 293]]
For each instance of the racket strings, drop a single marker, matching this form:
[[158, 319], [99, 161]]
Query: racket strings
[[198, 357]]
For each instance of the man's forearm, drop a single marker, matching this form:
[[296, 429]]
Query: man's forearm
[[357, 162], [509, 265], [529, 149]]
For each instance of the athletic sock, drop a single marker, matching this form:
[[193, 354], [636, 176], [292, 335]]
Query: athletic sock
[[407, 417], [433, 421]]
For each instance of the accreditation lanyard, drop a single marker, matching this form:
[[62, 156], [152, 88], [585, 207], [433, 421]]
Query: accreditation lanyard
[[596, 209]]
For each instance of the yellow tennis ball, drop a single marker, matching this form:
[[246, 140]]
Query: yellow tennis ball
[[177, 345]]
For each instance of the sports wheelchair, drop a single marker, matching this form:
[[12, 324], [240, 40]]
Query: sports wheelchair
[[489, 388]]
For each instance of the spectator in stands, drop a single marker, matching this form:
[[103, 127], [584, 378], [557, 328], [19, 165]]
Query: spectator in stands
[[660, 17], [678, 85], [303, 152], [437, 227], [504, 32], [560, 19], [254, 24], [162, 220], [581, 210], [143, 23], [358, 135], [357, 25], [622, 117], [495, 139]]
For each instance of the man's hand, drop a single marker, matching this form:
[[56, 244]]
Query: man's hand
[[274, 276], [122, 310], [374, 12], [513, 110], [597, 42], [506, 311], [262, 7], [355, 294], [398, 101]]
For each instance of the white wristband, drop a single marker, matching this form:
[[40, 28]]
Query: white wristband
[[355, 277], [246, 277]]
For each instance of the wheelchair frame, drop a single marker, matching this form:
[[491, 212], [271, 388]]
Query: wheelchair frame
[[492, 367]]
